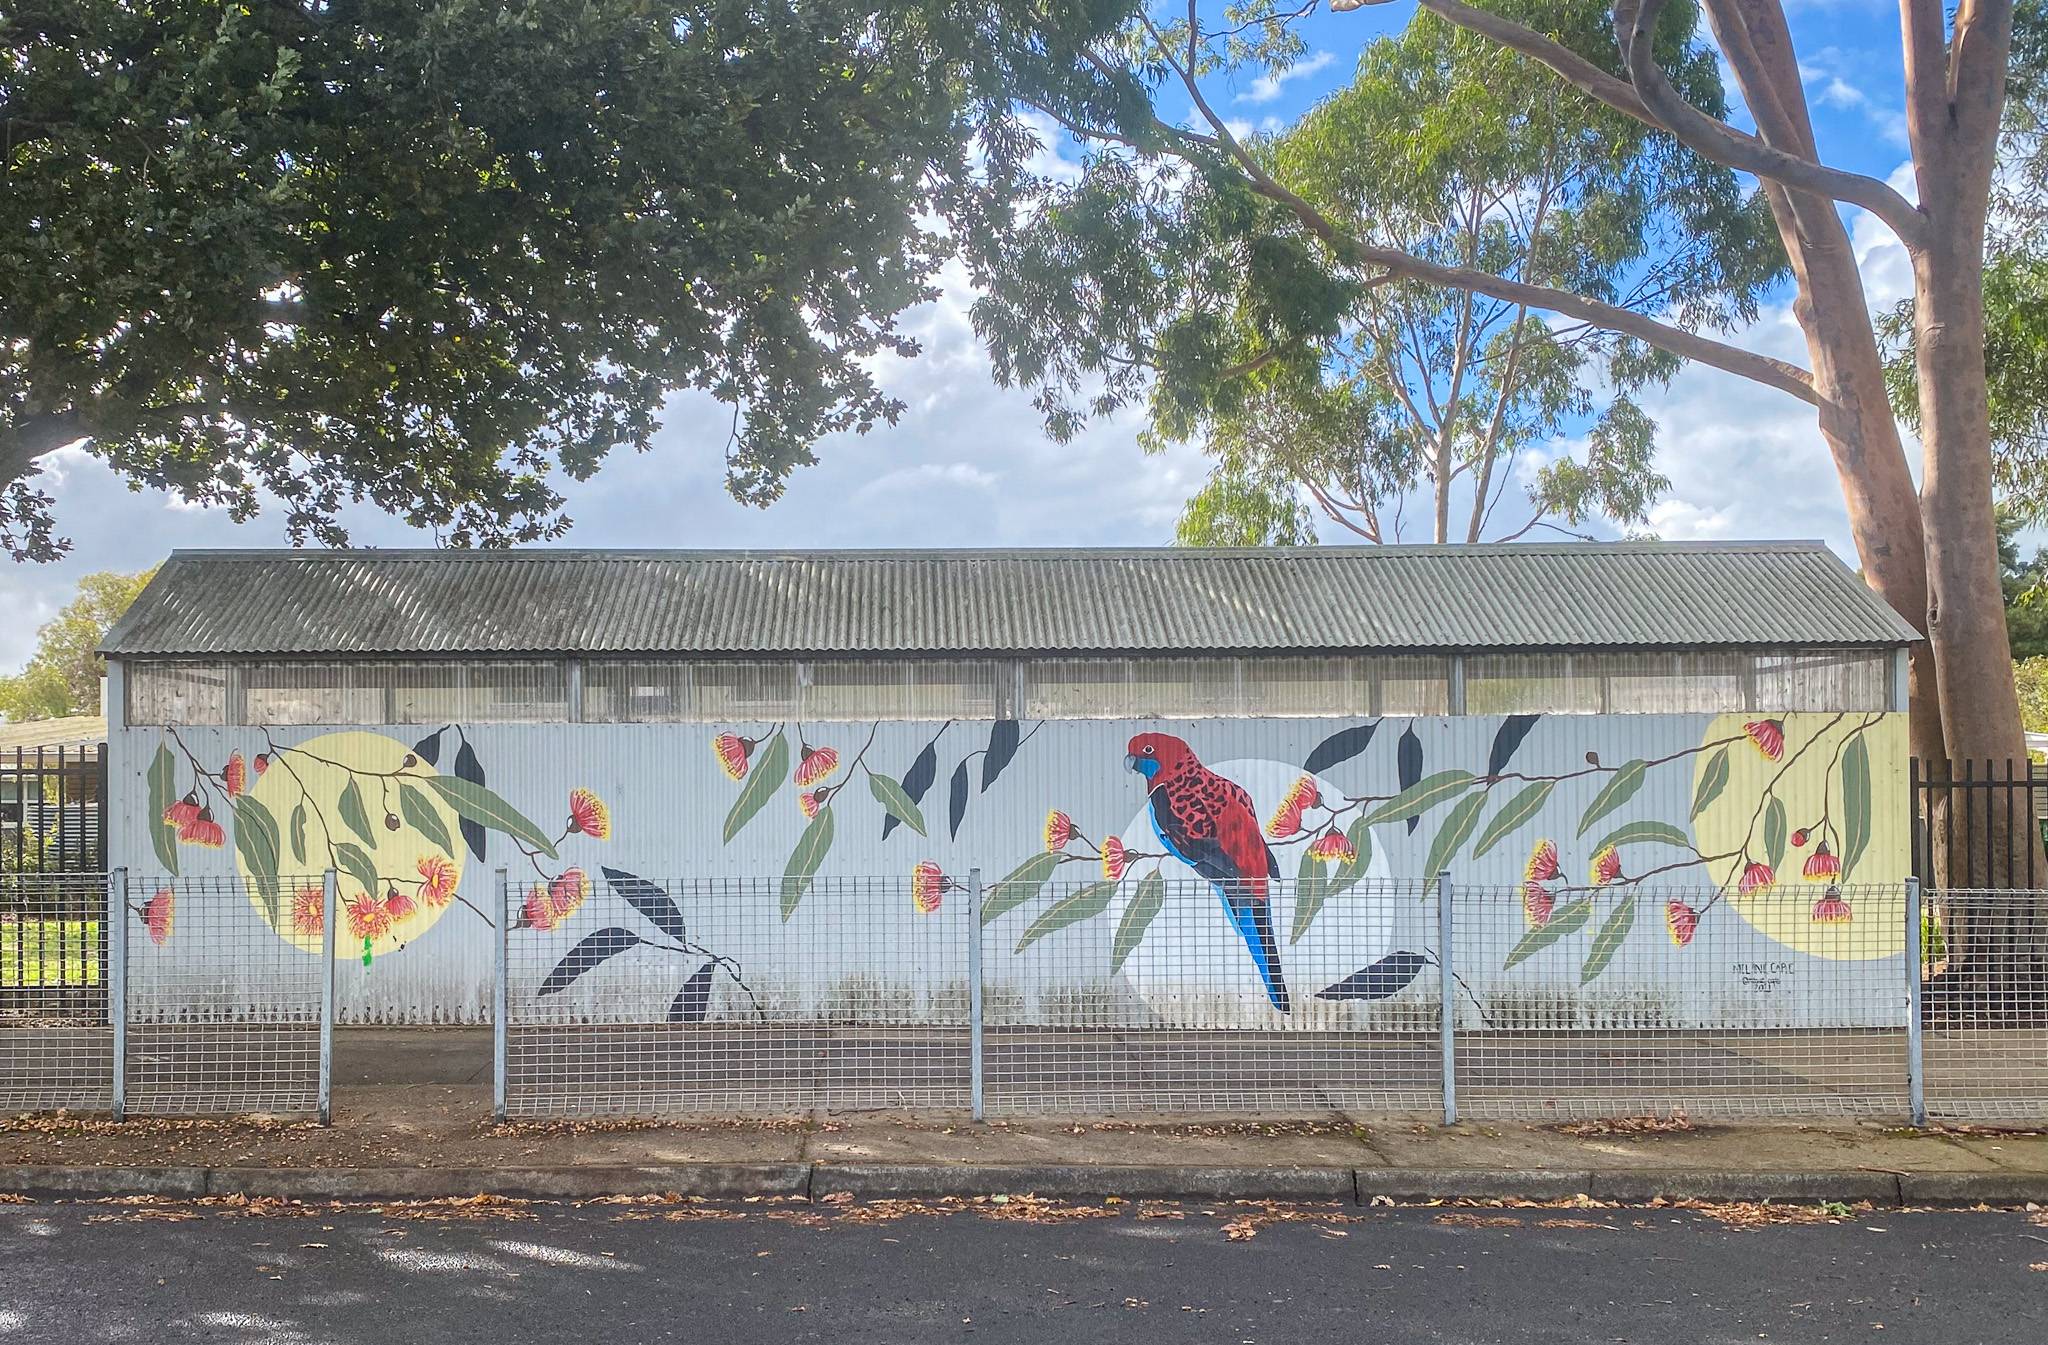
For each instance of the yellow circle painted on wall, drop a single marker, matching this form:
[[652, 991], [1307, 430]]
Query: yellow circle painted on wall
[[361, 804], [1800, 819]]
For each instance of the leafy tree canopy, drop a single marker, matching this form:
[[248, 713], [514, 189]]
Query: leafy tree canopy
[[63, 675], [1314, 381], [435, 255]]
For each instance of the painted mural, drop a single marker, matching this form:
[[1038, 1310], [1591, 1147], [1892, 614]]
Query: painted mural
[[1236, 872]]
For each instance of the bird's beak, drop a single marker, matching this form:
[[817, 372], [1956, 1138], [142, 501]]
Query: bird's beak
[[1130, 762]]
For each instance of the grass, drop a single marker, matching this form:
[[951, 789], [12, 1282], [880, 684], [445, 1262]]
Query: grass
[[48, 952]]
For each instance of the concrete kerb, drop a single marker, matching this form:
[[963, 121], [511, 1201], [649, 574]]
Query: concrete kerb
[[879, 1181]]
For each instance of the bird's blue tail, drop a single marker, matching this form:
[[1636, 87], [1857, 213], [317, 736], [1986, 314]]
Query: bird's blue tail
[[1253, 917]]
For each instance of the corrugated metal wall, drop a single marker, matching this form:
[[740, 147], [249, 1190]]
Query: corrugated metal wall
[[673, 810]]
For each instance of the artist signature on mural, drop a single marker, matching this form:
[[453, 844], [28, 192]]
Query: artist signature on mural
[[1763, 977]]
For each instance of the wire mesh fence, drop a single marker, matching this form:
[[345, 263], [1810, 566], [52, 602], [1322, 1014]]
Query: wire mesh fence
[[56, 1033], [694, 996], [1140, 995], [1984, 987], [1597, 1002], [1161, 995], [224, 1015]]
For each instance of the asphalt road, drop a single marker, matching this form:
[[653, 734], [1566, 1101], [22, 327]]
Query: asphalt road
[[629, 1273]]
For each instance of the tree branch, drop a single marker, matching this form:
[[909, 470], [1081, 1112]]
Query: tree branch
[[1634, 28], [1774, 373], [1667, 111]]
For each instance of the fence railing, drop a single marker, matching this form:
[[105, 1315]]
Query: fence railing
[[1145, 996], [189, 1005], [1791, 999]]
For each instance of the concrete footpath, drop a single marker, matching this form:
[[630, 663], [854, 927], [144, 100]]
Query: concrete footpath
[[413, 1123], [424, 1143]]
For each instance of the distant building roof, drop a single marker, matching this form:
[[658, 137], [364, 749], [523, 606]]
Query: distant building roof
[[71, 731], [725, 603]]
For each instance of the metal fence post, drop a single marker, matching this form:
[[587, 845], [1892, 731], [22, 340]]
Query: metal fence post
[[1916, 1065], [330, 911], [974, 1073], [1447, 1000], [117, 983], [500, 998]]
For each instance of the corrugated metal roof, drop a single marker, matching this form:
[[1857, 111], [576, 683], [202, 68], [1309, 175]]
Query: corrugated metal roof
[[1579, 595], [67, 732]]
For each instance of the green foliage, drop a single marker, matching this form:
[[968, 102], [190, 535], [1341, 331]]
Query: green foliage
[[63, 675], [438, 256], [2026, 591], [1318, 384]]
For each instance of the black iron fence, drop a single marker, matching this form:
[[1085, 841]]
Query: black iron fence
[[1979, 824], [53, 948]]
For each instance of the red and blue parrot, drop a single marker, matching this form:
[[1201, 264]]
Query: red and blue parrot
[[1207, 823]]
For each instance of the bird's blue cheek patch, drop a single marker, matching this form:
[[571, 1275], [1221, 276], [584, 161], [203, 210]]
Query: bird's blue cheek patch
[[1147, 767]]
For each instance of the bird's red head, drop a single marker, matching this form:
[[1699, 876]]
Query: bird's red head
[[1158, 755]]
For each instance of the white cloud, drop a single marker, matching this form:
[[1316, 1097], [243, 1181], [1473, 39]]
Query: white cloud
[[1269, 86]]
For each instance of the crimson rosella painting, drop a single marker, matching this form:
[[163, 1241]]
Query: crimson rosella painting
[[1207, 823]]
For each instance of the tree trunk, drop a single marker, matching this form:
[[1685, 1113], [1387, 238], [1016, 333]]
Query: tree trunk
[[1833, 313], [1997, 941]]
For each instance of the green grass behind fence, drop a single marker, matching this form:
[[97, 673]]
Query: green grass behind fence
[[49, 952]]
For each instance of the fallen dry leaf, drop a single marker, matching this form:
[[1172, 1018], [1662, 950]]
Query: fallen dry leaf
[[1240, 1230]]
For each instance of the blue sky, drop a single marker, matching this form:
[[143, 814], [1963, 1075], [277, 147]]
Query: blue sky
[[969, 466]]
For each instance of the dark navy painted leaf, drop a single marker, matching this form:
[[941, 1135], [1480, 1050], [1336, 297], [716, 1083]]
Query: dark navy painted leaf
[[956, 807], [1387, 977], [1002, 745], [650, 900], [916, 781], [1512, 730], [693, 1001], [1409, 761], [590, 952], [428, 749], [1340, 747], [467, 767]]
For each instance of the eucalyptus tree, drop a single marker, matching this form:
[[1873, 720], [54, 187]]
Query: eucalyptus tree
[[1138, 81], [1447, 148]]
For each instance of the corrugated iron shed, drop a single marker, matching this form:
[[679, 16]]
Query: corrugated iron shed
[[206, 604]]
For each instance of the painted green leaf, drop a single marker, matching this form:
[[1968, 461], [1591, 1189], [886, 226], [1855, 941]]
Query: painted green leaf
[[1423, 795], [760, 785], [479, 805], [298, 834], [1526, 803], [1351, 870], [895, 802], [810, 851], [1855, 804], [1020, 885], [1084, 904], [163, 791], [1636, 833], [354, 815], [1619, 789], [424, 818], [1456, 830], [1774, 833], [1138, 916], [1311, 890], [358, 864], [1608, 941], [1713, 780], [1567, 919], [256, 841]]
